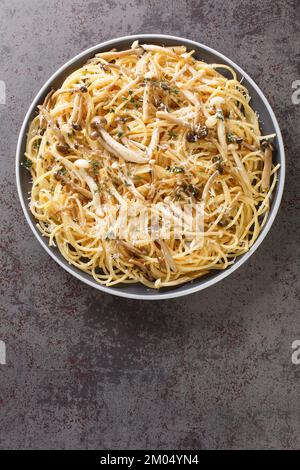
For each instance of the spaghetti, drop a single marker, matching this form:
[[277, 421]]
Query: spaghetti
[[149, 124]]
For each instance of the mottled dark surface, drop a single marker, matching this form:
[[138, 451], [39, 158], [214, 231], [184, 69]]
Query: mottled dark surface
[[87, 370]]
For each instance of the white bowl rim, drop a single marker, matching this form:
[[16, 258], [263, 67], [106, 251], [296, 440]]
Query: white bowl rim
[[190, 289]]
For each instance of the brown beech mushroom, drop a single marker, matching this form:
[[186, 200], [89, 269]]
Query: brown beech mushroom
[[63, 148]]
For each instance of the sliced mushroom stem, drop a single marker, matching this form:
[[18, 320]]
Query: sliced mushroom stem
[[115, 54], [154, 48], [48, 98], [167, 255], [191, 97], [153, 143], [199, 117], [146, 102], [173, 119], [222, 137], [250, 147], [76, 114], [266, 175], [85, 192], [209, 184], [115, 147], [241, 169], [45, 105]]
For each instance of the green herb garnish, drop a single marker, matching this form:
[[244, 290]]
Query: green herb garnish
[[172, 134], [95, 166], [62, 171], [175, 169], [36, 144], [27, 163], [230, 137]]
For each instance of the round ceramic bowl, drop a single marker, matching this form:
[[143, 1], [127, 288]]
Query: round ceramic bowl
[[259, 103]]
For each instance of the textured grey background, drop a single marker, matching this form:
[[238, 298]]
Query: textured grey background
[[87, 370]]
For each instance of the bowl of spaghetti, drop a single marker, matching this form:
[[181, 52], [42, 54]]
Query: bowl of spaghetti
[[155, 166]]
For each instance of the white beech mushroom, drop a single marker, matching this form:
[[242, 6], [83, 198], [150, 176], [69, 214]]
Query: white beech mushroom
[[209, 184], [146, 102], [115, 54], [153, 143], [221, 132], [115, 147], [164, 50], [241, 169], [173, 119]]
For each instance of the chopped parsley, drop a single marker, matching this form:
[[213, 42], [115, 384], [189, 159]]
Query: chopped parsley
[[172, 134], [27, 163], [62, 171], [111, 110], [95, 166], [36, 144], [175, 169], [230, 137]]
